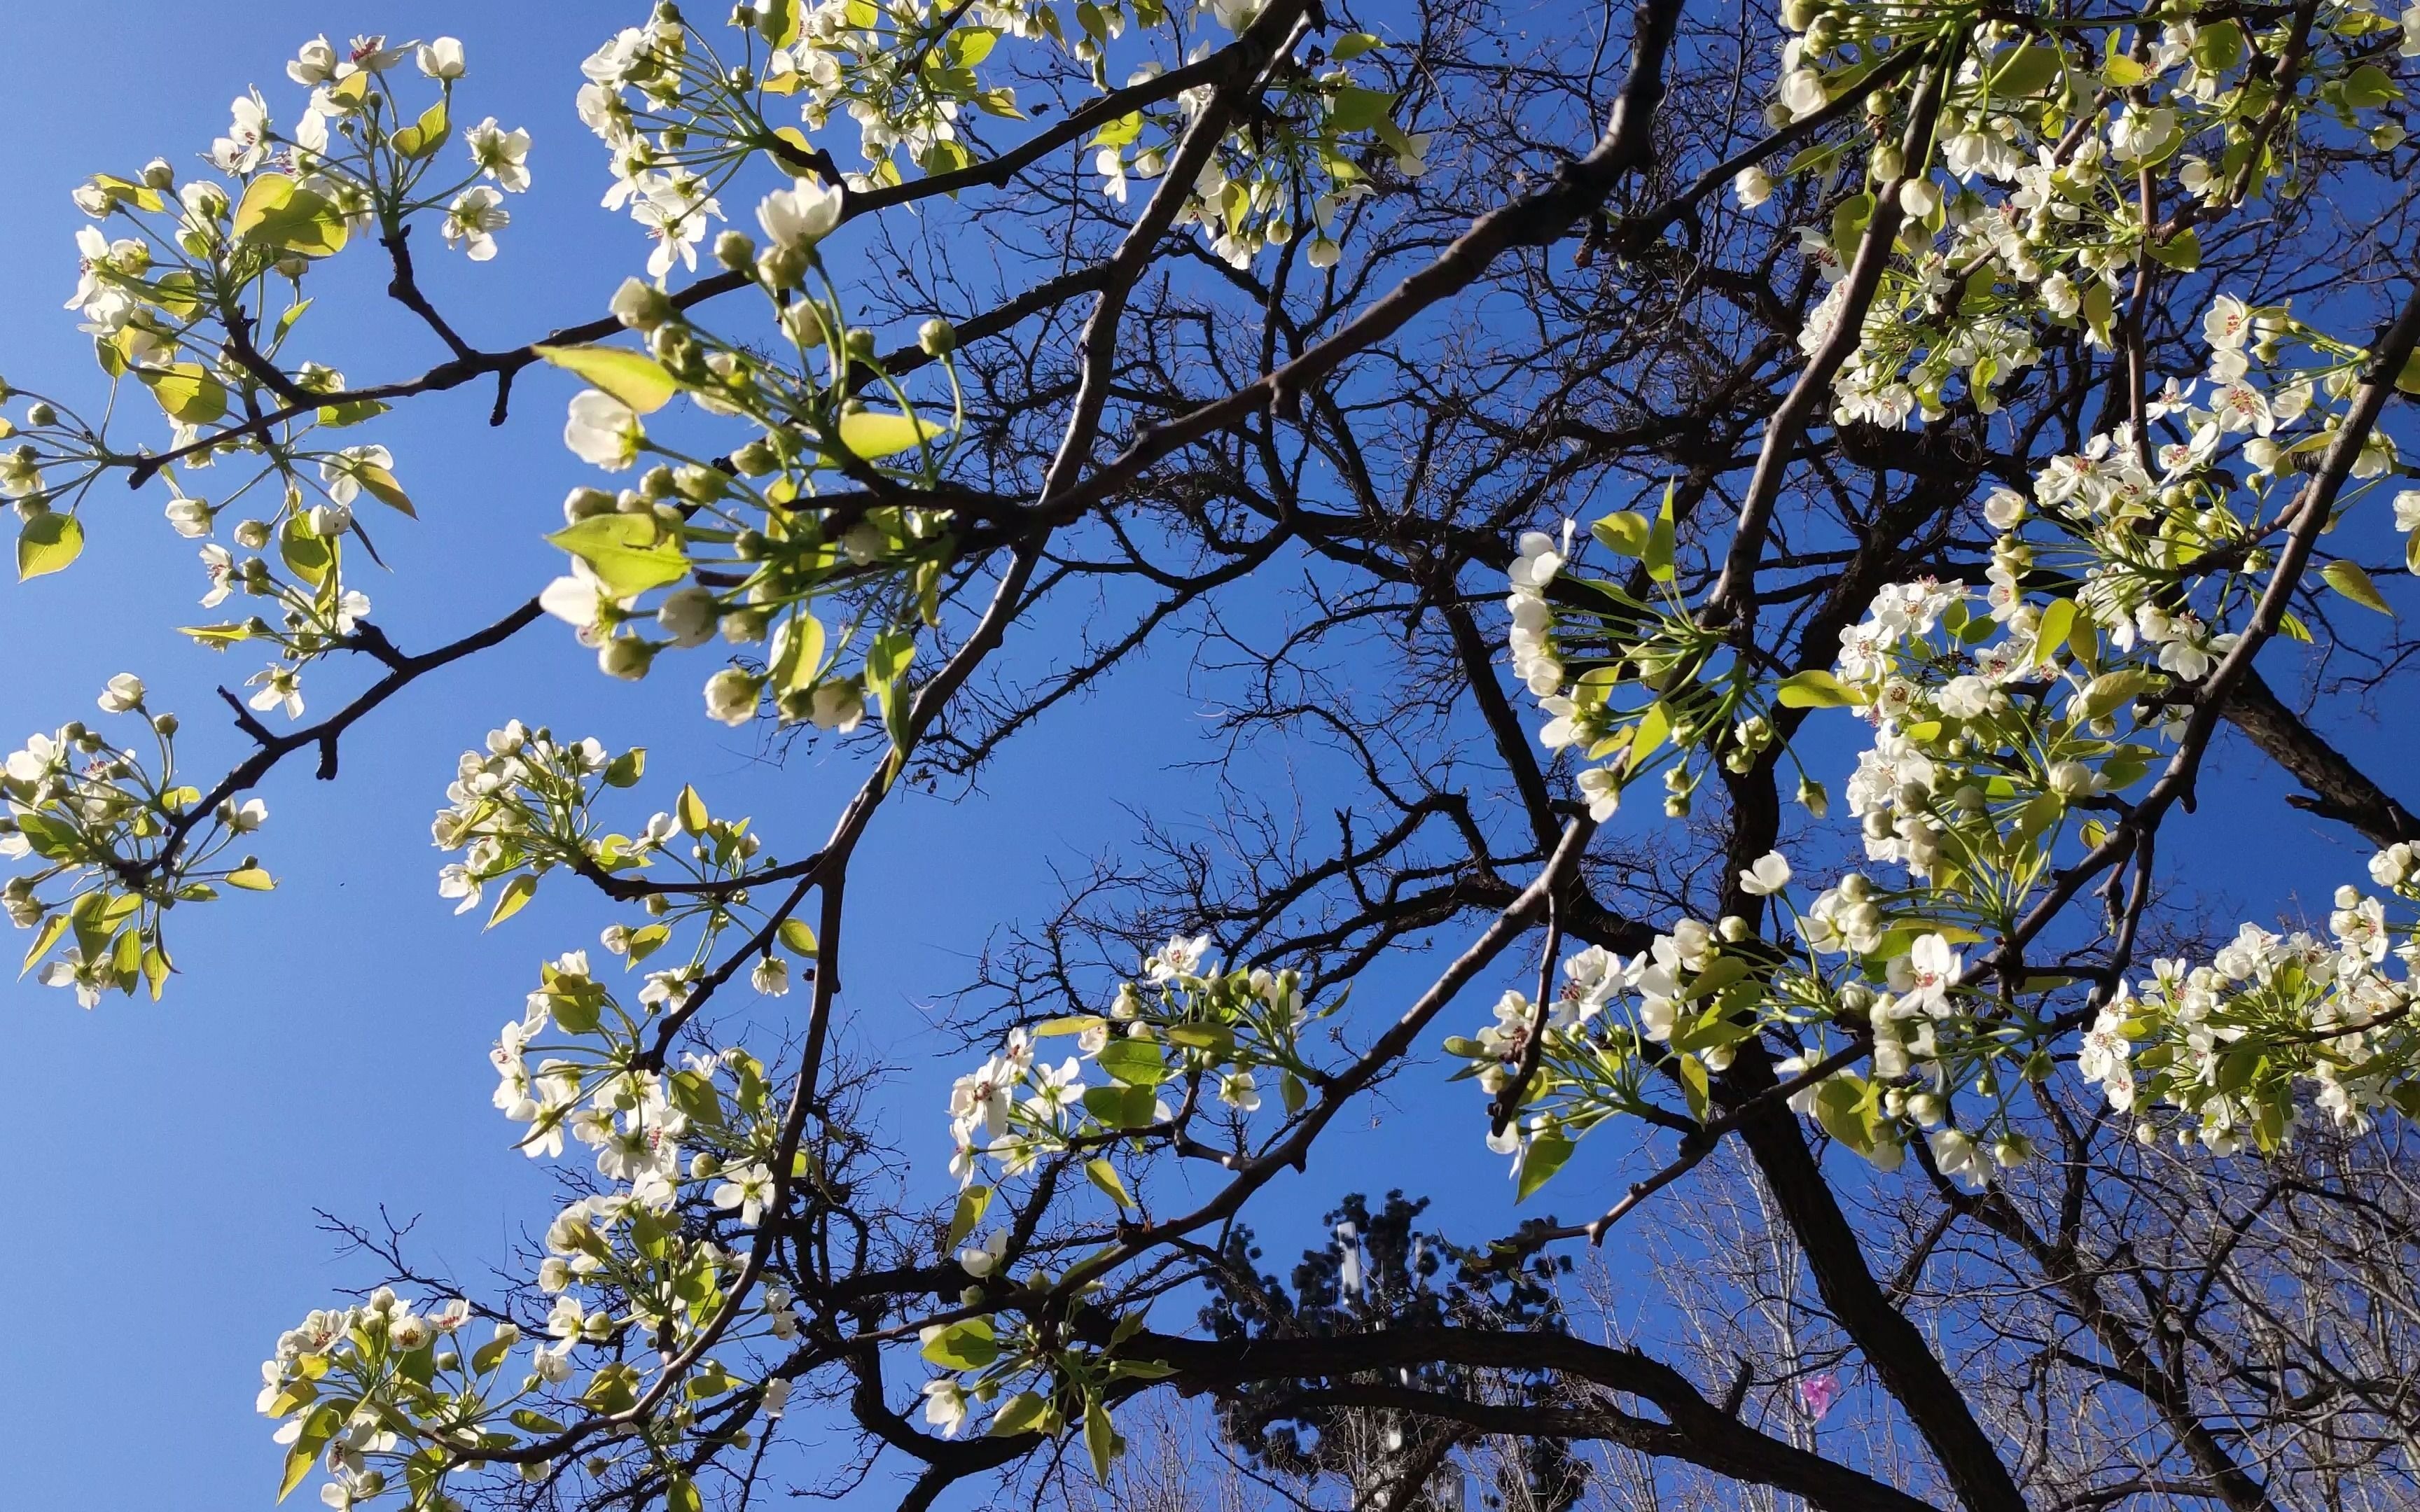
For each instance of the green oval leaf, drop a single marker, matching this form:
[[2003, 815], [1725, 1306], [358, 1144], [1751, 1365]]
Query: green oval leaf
[[873, 434], [633, 377], [48, 544]]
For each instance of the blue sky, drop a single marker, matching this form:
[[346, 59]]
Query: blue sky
[[324, 1047]]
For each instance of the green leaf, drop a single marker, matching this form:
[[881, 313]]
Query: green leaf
[[1134, 1062], [681, 1494], [967, 1346], [2181, 251], [1105, 1176], [1215, 1037], [886, 665], [629, 554], [646, 942], [2347, 578], [2099, 309], [2051, 632], [426, 135], [49, 542], [381, 486], [1121, 1107], [798, 660], [1816, 689], [2369, 86], [1352, 45], [1660, 542], [1653, 727], [1623, 532], [875, 434], [2217, 46], [1694, 1085], [2026, 71], [691, 810], [1355, 109], [186, 391], [275, 213], [317, 1431], [1840, 1108], [1100, 1437], [307, 556], [517, 892], [633, 377], [798, 936], [1120, 133], [625, 770], [46, 935], [1021, 1413], [1540, 1160], [490, 1354], [2123, 72], [2037, 817], [250, 879], [973, 1204], [2111, 691]]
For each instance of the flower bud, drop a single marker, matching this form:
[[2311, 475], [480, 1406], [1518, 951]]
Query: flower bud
[[587, 504], [626, 658], [252, 534], [735, 251], [937, 338], [639, 305], [782, 268], [41, 414]]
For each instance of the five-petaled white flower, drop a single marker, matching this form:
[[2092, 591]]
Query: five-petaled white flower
[[1769, 875], [474, 219], [502, 155]]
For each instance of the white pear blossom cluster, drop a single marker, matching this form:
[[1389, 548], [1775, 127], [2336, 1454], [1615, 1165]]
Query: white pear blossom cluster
[[201, 301], [1622, 1037], [2274, 1026], [1573, 650], [341, 1382], [1184, 1036], [110, 839], [2023, 215]]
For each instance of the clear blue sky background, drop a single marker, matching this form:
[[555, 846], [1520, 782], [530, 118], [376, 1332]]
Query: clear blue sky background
[[325, 1044]]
